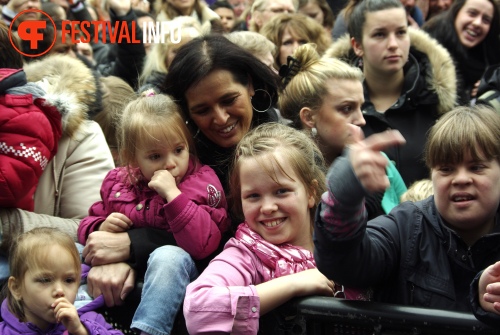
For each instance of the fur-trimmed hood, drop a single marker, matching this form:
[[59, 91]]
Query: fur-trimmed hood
[[440, 78], [70, 86]]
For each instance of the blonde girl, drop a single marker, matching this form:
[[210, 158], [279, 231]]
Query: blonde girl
[[45, 273], [162, 185], [276, 182]]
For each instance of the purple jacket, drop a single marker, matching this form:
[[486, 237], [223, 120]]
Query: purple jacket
[[196, 218]]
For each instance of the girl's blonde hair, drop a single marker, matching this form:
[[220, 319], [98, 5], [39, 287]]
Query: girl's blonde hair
[[252, 42], [305, 84], [474, 130], [301, 153], [303, 26], [28, 253], [149, 120], [419, 190]]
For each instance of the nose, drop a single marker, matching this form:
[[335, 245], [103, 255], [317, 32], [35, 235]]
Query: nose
[[268, 205], [462, 176], [358, 119], [58, 290], [170, 163], [220, 116], [477, 20], [392, 42]]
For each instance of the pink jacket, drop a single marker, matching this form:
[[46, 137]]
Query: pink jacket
[[223, 299], [196, 218]]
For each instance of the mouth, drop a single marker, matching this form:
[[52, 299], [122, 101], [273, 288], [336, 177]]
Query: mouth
[[462, 197], [227, 130], [273, 223]]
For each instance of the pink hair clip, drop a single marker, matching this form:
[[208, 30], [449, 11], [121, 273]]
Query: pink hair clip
[[150, 93]]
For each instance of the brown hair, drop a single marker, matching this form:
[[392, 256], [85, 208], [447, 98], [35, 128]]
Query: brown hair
[[9, 57], [474, 130]]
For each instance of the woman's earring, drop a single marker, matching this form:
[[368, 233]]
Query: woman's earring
[[260, 102], [314, 132]]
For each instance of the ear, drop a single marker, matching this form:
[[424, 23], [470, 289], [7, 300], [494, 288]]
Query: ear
[[307, 117], [311, 202], [357, 47], [15, 288], [256, 17]]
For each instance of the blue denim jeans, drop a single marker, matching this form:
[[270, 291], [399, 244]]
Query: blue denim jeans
[[170, 270]]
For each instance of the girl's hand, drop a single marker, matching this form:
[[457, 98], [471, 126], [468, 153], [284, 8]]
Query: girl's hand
[[369, 164], [116, 223], [311, 282], [489, 289], [164, 184], [66, 313]]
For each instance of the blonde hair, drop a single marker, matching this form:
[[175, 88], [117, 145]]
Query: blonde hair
[[303, 26], [474, 130], [306, 83], [28, 253], [301, 153], [156, 60], [253, 42], [419, 190], [150, 119]]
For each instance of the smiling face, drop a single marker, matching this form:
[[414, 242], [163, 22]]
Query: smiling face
[[41, 287], [221, 108], [171, 155], [341, 107], [277, 212], [467, 195], [385, 44], [473, 22]]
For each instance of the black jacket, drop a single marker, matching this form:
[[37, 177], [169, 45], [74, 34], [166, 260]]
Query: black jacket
[[429, 91]]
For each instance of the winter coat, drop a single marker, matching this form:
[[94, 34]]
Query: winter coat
[[196, 218], [429, 91], [29, 132], [408, 257], [224, 299], [70, 183]]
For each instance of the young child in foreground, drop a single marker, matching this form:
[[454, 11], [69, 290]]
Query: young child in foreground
[[423, 253], [276, 184], [45, 273]]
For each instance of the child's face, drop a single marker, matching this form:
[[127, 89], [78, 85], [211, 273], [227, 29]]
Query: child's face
[[172, 156], [41, 287], [279, 213], [467, 195]]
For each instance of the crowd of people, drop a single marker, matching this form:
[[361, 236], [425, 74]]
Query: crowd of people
[[281, 148]]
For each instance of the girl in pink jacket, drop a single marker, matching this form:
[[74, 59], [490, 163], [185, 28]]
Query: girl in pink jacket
[[277, 183], [162, 184]]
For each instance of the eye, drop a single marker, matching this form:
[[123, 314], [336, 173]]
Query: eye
[[282, 191], [229, 101], [401, 32], [251, 196], [287, 42], [179, 149], [346, 109], [477, 167], [378, 34], [445, 169], [43, 280], [154, 157], [70, 280]]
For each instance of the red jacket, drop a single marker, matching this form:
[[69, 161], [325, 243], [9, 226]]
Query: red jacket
[[29, 133]]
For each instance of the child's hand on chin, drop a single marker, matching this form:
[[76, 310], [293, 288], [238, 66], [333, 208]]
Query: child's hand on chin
[[164, 184], [66, 313]]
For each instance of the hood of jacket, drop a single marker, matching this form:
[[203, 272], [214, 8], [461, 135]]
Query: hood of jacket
[[70, 86], [441, 76]]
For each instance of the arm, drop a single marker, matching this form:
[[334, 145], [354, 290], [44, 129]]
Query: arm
[[341, 238], [229, 295]]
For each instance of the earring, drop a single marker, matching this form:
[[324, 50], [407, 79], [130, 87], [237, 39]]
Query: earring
[[314, 132], [266, 95]]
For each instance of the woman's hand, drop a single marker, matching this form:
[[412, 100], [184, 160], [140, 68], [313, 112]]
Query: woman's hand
[[113, 281], [106, 248], [369, 164], [489, 289]]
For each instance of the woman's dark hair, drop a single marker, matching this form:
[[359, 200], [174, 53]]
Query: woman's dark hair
[[204, 54], [442, 28], [356, 14], [221, 4], [9, 57]]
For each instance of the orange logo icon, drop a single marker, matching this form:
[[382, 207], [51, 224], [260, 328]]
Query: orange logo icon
[[32, 31]]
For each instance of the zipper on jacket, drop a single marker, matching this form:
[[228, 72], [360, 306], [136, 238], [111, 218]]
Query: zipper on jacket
[[412, 291]]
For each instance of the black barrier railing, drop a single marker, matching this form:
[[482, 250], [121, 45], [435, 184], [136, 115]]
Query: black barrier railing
[[323, 315]]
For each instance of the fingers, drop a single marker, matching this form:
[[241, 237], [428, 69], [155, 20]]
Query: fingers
[[381, 141], [128, 286]]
